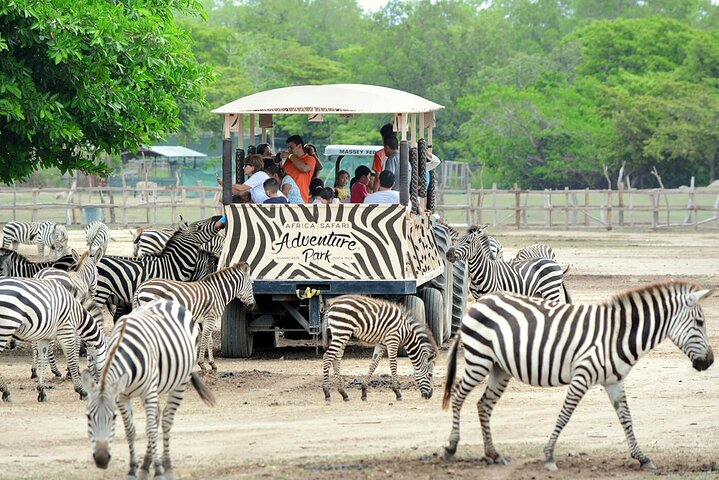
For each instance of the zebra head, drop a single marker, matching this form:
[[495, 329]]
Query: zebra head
[[422, 351], [687, 328], [468, 245], [58, 241], [101, 414], [244, 288]]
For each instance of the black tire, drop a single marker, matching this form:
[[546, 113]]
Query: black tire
[[236, 339], [442, 239], [415, 307], [460, 291], [434, 312]]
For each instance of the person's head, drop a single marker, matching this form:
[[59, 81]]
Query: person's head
[[387, 130], [316, 186], [271, 187], [386, 179], [264, 150], [391, 145], [295, 145], [342, 178], [362, 174], [253, 164], [276, 172], [327, 195]]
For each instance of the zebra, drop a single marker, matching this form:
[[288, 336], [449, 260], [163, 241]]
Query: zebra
[[495, 247], [118, 277], [148, 241], [42, 310], [41, 234], [540, 276], [386, 325], [13, 264], [97, 236], [544, 343], [82, 284], [152, 351], [206, 299], [537, 250]]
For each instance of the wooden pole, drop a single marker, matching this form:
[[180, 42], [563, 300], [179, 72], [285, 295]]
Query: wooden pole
[[609, 209], [620, 203], [586, 207], [517, 207]]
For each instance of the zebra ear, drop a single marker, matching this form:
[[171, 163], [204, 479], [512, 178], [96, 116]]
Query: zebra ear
[[696, 297], [75, 255], [244, 267], [88, 381]]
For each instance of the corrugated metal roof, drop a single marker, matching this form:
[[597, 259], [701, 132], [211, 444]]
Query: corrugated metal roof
[[175, 152]]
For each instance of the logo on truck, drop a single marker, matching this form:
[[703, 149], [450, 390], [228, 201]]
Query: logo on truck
[[306, 242]]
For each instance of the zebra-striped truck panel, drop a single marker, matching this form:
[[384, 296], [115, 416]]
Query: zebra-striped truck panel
[[546, 344], [386, 325], [152, 352], [206, 299], [42, 310], [333, 242]]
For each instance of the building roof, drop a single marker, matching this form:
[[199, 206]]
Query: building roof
[[173, 152], [347, 99]]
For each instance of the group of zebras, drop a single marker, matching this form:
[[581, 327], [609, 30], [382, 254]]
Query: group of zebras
[[522, 325]]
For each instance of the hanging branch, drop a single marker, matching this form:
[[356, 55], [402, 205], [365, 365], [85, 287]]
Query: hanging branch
[[606, 175], [661, 188]]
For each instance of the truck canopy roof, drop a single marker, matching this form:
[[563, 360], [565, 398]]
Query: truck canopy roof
[[355, 150]]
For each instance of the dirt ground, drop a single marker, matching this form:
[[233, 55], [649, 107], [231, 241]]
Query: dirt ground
[[271, 420]]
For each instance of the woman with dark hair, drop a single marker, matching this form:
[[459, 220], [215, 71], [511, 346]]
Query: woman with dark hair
[[316, 186], [288, 187]]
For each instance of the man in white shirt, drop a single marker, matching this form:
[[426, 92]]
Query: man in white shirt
[[385, 194]]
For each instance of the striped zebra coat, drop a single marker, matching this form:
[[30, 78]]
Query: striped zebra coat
[[537, 277], [42, 234], [119, 277], [537, 250], [206, 299], [97, 236], [148, 241], [544, 343], [387, 326], [152, 352], [13, 264], [42, 311]]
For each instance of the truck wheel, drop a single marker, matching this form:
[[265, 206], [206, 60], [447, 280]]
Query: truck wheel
[[415, 306], [442, 239], [460, 290], [236, 339], [433, 312]]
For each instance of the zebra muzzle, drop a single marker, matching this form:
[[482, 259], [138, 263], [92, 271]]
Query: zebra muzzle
[[101, 455], [702, 363]]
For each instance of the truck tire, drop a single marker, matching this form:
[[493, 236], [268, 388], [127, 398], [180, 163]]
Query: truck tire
[[434, 312], [442, 239], [460, 291], [236, 339], [414, 305]]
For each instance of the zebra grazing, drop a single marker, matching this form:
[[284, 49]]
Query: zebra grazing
[[387, 326], [541, 276], [118, 277], [545, 344], [41, 234], [152, 351], [97, 236], [148, 241], [13, 264], [206, 299], [537, 250], [41, 310]]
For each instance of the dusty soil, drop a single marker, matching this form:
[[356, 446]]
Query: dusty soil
[[271, 420]]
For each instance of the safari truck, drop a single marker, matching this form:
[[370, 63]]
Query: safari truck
[[300, 256]]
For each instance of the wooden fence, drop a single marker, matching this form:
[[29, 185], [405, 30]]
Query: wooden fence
[[546, 209]]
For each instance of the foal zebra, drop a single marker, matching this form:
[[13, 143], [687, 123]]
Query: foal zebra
[[152, 351], [537, 250], [387, 326], [148, 241], [206, 299], [545, 344], [42, 311], [495, 247], [97, 236], [41, 234], [540, 276]]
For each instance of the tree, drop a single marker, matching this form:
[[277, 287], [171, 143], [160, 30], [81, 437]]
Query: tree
[[77, 78]]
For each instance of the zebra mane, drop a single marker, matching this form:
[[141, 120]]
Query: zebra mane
[[672, 285], [170, 240], [236, 266], [421, 330], [111, 355], [81, 261]]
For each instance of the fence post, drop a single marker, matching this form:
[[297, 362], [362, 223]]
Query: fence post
[[202, 199], [124, 203], [575, 206], [14, 201], [566, 208], [525, 209], [609, 209], [620, 203], [480, 203], [35, 199], [586, 207], [547, 209], [494, 204], [517, 207], [469, 204], [655, 209]]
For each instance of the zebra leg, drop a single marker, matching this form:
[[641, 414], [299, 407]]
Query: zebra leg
[[52, 360], [496, 384], [472, 376], [616, 394], [577, 388], [125, 407], [334, 351], [203, 346], [33, 369], [68, 343], [174, 399], [379, 350], [392, 350], [42, 348], [338, 375], [210, 327], [4, 390], [152, 455]]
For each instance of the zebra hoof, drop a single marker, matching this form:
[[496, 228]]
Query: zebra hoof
[[33, 374], [143, 474], [447, 454], [346, 398], [550, 465], [500, 460], [648, 465], [42, 396], [169, 475], [214, 369], [57, 373], [82, 393], [6, 397]]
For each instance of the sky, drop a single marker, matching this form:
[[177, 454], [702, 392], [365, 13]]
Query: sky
[[371, 5]]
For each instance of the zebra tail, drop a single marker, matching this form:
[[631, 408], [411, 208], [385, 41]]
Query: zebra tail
[[204, 392], [451, 371]]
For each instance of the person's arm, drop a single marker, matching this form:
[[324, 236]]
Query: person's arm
[[286, 187], [301, 166]]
